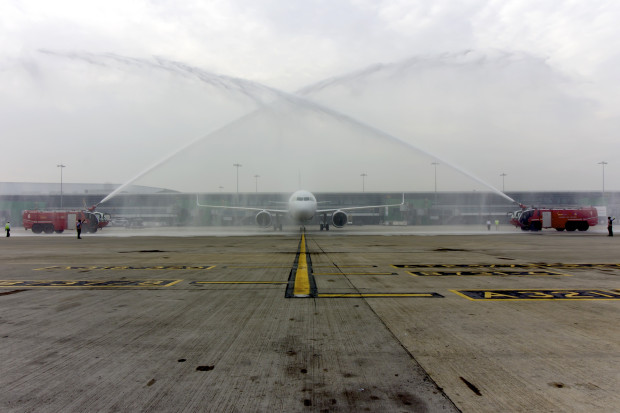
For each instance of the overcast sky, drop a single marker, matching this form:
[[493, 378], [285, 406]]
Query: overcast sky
[[312, 94]]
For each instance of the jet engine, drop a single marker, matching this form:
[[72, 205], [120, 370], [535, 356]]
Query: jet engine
[[263, 219], [339, 219]]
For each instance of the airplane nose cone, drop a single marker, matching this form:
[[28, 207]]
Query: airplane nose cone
[[305, 213]]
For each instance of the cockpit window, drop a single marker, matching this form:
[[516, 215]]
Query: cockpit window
[[300, 198], [306, 198]]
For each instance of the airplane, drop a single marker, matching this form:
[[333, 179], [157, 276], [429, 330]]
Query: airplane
[[302, 207]]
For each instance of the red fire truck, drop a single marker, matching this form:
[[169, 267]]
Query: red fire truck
[[58, 221], [561, 219]]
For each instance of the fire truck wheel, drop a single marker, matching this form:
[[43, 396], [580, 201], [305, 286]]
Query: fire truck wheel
[[49, 228], [59, 231], [37, 228]]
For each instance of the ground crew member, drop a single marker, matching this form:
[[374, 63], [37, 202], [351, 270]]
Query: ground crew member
[[7, 228], [78, 227], [610, 229], [489, 224], [496, 224]]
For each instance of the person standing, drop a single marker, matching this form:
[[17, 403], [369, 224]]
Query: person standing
[[78, 227], [610, 229], [7, 228]]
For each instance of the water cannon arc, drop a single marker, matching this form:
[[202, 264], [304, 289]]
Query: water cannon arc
[[294, 99]]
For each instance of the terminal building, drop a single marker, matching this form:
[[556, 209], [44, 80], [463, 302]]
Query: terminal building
[[150, 206]]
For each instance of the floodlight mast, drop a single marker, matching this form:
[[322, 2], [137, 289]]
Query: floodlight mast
[[603, 163], [237, 165], [61, 166]]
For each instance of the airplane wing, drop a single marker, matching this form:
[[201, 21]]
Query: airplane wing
[[271, 210], [322, 211]]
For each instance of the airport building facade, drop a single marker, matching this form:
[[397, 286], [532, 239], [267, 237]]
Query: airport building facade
[[154, 206]]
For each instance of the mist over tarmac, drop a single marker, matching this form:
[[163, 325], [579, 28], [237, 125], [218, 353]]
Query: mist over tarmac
[[291, 230]]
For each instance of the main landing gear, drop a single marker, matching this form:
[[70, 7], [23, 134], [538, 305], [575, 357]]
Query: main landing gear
[[324, 224]]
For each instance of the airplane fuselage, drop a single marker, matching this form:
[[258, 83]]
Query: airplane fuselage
[[302, 206]]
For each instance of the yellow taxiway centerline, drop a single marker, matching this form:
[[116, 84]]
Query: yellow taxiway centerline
[[302, 279]]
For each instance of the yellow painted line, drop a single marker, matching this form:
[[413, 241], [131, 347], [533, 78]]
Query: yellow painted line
[[238, 282], [462, 295], [554, 272], [302, 279], [365, 295], [354, 273], [257, 266]]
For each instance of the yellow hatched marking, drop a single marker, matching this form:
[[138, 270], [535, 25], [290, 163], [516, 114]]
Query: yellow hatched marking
[[302, 280], [537, 295], [87, 283], [484, 273], [128, 267]]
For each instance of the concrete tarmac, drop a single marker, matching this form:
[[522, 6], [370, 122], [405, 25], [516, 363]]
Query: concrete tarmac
[[398, 320]]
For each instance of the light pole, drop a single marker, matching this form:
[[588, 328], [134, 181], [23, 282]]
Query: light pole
[[61, 166], [435, 165], [503, 175], [256, 178], [237, 165], [364, 175], [603, 163]]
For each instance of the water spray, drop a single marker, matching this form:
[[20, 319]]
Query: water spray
[[250, 88]]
